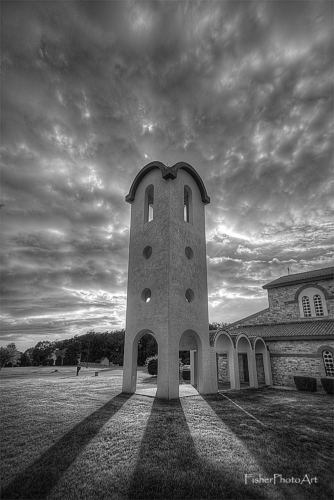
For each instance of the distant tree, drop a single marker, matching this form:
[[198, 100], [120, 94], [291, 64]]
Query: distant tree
[[25, 360], [96, 346], [185, 357], [91, 346], [58, 361], [43, 350], [215, 326], [5, 356], [73, 352], [147, 348], [9, 354]]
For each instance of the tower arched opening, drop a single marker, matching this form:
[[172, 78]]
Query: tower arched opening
[[190, 352], [143, 346]]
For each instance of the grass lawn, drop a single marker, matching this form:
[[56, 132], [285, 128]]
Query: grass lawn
[[67, 437]]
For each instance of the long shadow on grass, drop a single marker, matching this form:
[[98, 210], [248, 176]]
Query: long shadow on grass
[[40, 477], [277, 447], [168, 466]]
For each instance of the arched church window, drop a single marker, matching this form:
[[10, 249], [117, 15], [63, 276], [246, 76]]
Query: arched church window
[[318, 305], [306, 306], [187, 205], [149, 202], [327, 356], [312, 302]]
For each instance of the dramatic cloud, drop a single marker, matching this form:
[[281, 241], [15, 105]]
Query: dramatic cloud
[[92, 91]]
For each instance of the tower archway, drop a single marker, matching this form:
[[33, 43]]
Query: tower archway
[[191, 342], [132, 355]]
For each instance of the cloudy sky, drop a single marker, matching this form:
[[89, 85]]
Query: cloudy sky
[[93, 91]]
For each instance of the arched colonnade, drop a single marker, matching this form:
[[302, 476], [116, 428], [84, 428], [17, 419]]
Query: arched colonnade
[[242, 359]]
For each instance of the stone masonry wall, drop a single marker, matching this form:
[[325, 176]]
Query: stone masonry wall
[[296, 346], [284, 368], [223, 368], [260, 369], [281, 311], [241, 368]]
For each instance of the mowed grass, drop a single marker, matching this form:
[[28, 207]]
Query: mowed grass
[[67, 437]]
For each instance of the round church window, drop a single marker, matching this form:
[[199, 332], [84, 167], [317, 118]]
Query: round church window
[[146, 295], [147, 252], [190, 295], [189, 253]]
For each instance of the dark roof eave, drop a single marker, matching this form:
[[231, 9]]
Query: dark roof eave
[[298, 337], [326, 273]]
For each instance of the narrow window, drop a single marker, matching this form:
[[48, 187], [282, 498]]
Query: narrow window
[[187, 205], [318, 305], [306, 307], [327, 356], [149, 200]]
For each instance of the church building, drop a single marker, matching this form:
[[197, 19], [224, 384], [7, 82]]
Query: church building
[[297, 329]]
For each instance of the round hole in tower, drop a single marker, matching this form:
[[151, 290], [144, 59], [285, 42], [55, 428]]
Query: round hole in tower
[[146, 295], [190, 295], [147, 252], [189, 253]]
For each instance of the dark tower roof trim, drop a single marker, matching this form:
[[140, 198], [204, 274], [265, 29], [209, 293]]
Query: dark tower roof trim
[[167, 173]]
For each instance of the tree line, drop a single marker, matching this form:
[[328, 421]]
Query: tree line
[[90, 347]]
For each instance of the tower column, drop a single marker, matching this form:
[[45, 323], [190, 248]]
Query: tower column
[[167, 279], [130, 368]]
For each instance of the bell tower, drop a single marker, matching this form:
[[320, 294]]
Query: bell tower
[[167, 277]]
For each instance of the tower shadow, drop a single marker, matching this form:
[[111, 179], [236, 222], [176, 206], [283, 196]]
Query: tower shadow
[[169, 467], [32, 483]]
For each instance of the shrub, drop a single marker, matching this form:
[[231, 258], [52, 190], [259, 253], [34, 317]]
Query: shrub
[[305, 383], [45, 362], [328, 384], [152, 365], [50, 362], [186, 374]]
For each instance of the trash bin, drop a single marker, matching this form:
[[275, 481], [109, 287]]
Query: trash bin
[[96, 374]]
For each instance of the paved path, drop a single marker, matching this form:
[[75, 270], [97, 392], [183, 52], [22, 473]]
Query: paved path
[[184, 390]]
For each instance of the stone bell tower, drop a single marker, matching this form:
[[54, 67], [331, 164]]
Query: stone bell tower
[[167, 280]]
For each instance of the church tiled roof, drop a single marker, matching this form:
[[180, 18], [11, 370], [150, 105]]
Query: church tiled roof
[[301, 277], [294, 329]]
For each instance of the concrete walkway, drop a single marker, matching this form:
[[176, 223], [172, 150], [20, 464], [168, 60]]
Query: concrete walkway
[[184, 391]]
